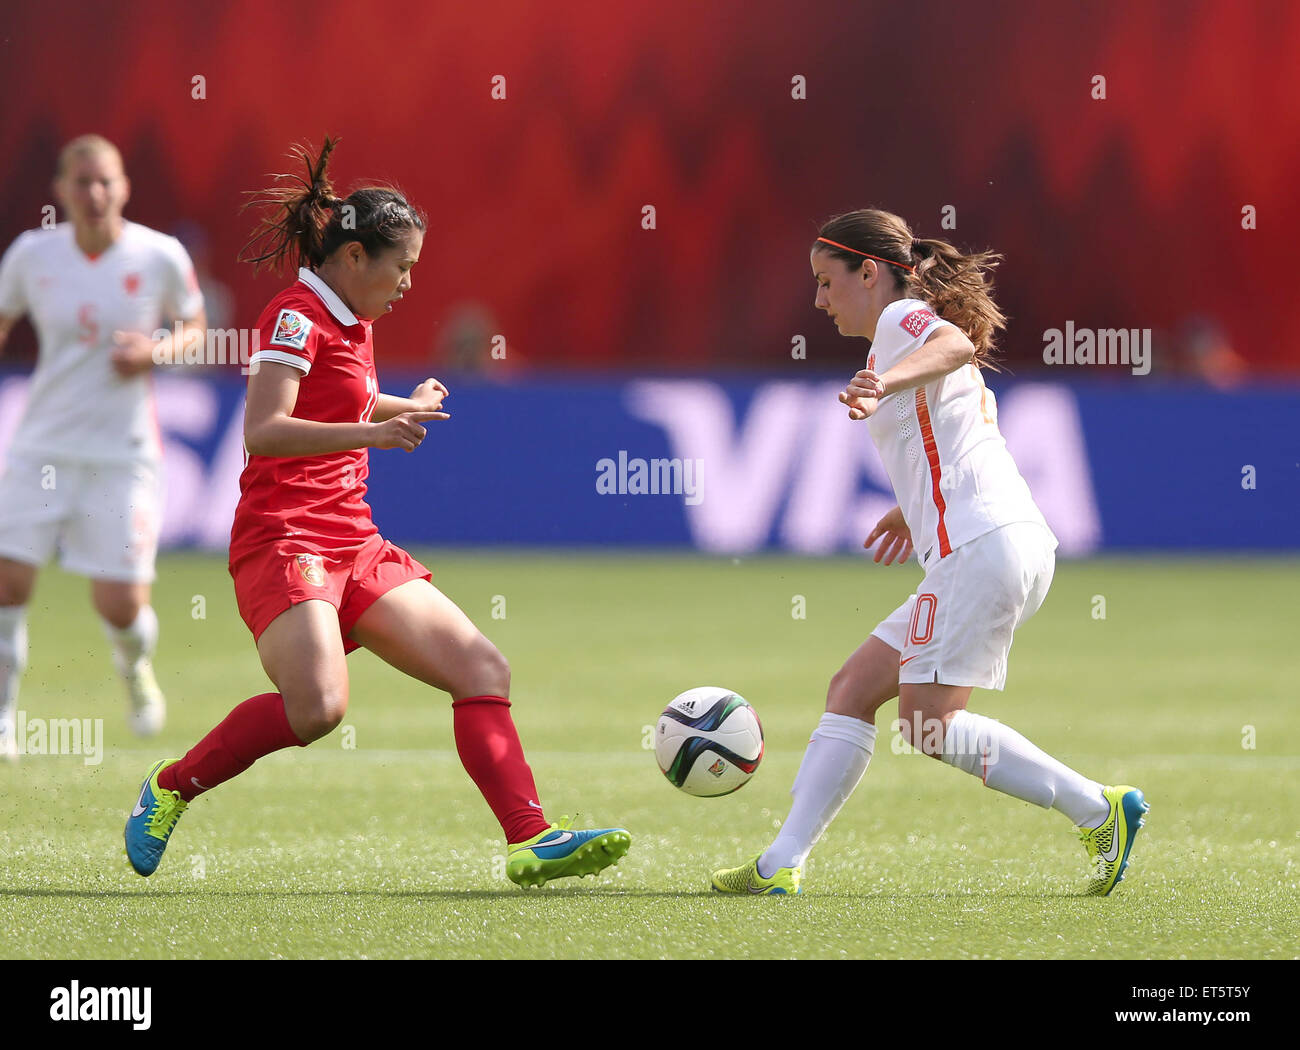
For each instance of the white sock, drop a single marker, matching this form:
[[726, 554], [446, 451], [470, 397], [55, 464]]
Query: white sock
[[836, 758], [136, 641], [13, 656], [1009, 763]]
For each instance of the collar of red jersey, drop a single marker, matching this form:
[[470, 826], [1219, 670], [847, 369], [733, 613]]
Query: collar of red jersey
[[336, 306]]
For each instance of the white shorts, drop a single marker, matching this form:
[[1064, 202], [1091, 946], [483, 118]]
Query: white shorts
[[956, 629], [102, 518]]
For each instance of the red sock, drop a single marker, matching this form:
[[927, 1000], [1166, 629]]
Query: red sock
[[255, 728], [493, 757]]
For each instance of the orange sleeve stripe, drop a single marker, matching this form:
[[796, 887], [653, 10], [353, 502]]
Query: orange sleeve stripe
[[936, 472]]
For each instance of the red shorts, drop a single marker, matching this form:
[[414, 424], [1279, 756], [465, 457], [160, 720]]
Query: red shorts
[[350, 578]]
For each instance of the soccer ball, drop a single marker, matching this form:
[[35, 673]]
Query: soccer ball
[[709, 741]]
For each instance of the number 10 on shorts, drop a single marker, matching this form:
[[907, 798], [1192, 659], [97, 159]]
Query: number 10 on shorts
[[921, 629]]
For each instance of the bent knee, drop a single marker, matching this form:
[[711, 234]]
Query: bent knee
[[315, 713], [849, 694], [16, 583], [484, 672], [120, 613]]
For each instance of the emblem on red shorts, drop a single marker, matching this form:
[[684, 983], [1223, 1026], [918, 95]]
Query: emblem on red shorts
[[312, 567]]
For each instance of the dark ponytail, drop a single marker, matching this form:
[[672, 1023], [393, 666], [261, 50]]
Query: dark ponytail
[[306, 222]]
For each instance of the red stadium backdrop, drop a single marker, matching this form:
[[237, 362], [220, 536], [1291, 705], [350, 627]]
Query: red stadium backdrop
[[1125, 211]]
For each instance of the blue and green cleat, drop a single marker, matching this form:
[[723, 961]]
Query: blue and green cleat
[[559, 852], [151, 821], [1109, 845]]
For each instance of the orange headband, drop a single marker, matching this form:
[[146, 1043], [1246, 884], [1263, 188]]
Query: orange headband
[[909, 269]]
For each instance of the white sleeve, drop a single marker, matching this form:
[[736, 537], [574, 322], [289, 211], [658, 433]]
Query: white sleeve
[[182, 300], [13, 294], [901, 333], [279, 357]]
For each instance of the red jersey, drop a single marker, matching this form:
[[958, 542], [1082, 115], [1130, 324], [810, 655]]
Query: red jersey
[[316, 500]]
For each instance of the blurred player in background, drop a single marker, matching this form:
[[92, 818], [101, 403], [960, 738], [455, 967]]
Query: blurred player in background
[[987, 553], [82, 470], [313, 577]]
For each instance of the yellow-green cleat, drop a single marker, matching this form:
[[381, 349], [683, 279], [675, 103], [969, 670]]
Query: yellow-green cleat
[[559, 852], [1109, 846], [746, 879]]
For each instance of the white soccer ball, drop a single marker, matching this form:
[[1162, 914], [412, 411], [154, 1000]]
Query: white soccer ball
[[709, 741]]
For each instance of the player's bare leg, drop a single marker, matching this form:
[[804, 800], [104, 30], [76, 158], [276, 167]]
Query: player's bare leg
[[132, 627], [837, 756], [420, 631], [867, 681], [935, 721], [302, 653], [924, 711], [16, 582], [17, 579], [423, 633]]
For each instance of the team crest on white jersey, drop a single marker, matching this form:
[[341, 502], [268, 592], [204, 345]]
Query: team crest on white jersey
[[291, 329]]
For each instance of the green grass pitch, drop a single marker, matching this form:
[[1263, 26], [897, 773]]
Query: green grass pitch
[[374, 843]]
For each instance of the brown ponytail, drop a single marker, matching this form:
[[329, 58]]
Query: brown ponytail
[[305, 221], [958, 286]]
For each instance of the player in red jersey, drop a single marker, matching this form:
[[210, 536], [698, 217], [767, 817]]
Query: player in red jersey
[[313, 577]]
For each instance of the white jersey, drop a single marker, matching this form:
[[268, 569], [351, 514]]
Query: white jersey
[[940, 444], [77, 406]]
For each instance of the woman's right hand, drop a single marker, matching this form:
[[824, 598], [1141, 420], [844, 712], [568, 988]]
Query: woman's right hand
[[403, 430], [896, 541]]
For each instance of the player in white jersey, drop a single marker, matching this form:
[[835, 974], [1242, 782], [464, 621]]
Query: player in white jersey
[[987, 553], [81, 476]]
